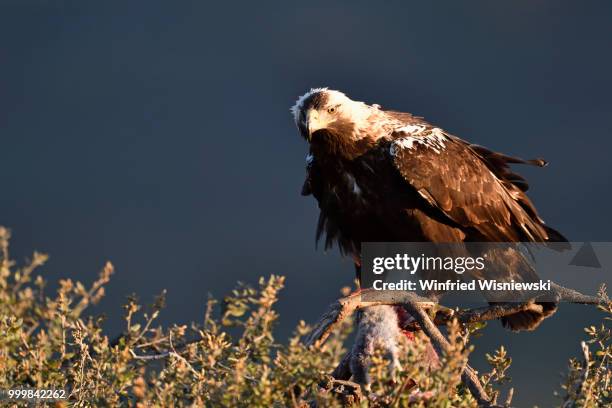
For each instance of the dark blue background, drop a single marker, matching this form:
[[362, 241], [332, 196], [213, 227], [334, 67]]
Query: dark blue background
[[157, 135]]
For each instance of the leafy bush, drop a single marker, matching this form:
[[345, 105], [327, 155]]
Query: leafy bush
[[231, 359]]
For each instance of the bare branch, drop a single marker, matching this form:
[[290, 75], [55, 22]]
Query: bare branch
[[509, 398], [573, 296], [344, 307], [443, 347], [481, 314]]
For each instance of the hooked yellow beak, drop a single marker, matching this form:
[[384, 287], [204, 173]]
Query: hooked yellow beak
[[313, 122]]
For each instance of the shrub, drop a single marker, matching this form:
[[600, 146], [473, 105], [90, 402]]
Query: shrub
[[231, 359]]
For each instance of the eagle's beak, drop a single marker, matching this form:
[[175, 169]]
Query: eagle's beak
[[313, 122]]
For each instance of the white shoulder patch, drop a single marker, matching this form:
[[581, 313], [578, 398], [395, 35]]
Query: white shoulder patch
[[411, 129], [433, 139]]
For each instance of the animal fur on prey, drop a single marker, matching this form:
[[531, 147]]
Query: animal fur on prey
[[387, 176]]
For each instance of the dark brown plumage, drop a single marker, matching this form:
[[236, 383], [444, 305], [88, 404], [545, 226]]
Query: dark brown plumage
[[390, 176]]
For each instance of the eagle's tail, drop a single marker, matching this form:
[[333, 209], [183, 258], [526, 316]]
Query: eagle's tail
[[511, 263], [531, 318], [555, 236]]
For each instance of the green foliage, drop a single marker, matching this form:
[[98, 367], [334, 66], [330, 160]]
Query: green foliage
[[229, 359], [589, 380]]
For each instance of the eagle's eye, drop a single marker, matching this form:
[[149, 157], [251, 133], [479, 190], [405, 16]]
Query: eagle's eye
[[331, 110]]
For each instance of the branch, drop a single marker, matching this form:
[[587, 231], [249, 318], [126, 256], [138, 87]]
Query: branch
[[476, 315], [573, 296], [443, 347], [167, 354], [344, 307], [581, 383]]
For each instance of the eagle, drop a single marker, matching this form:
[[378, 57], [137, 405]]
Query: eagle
[[387, 176]]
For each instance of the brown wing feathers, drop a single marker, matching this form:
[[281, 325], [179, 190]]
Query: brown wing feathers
[[475, 188]]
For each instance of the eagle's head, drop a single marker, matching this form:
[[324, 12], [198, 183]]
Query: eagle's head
[[323, 112]]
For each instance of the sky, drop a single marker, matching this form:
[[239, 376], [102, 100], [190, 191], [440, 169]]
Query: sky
[[157, 135]]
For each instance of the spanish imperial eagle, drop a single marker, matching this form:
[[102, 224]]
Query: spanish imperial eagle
[[386, 176]]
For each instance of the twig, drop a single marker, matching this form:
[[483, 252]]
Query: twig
[[406, 385], [150, 357], [154, 342], [183, 359], [349, 392], [581, 383], [171, 353], [481, 314], [246, 376], [443, 347], [509, 398]]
